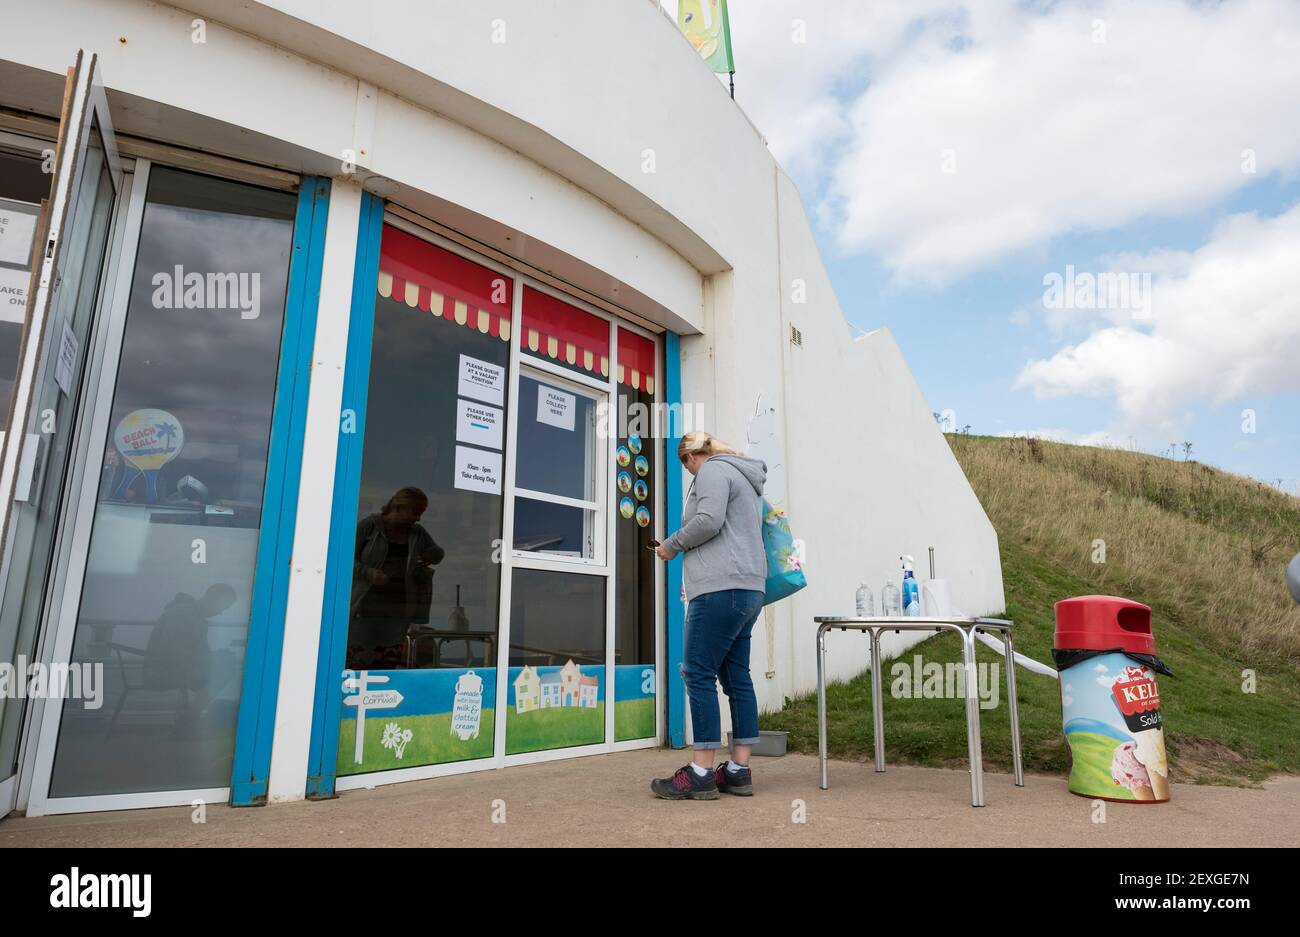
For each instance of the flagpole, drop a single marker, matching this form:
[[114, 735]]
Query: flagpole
[[731, 79]]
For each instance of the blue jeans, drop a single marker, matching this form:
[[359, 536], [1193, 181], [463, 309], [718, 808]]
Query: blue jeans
[[718, 627]]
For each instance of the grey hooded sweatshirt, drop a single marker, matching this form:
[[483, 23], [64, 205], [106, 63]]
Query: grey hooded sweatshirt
[[721, 532]]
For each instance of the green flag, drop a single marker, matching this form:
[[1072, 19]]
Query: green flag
[[706, 25]]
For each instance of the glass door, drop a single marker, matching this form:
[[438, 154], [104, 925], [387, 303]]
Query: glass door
[[557, 688], [177, 484], [67, 280]]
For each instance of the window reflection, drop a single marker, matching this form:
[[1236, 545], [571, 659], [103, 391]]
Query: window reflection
[[166, 601], [557, 660], [556, 617], [392, 579], [426, 572], [557, 458], [53, 406]]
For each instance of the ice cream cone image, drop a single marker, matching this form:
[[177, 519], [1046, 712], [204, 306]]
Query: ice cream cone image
[[1150, 752], [1129, 773]]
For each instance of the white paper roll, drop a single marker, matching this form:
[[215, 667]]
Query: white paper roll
[[936, 599]]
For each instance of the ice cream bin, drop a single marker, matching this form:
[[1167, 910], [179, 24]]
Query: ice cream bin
[[1110, 704]]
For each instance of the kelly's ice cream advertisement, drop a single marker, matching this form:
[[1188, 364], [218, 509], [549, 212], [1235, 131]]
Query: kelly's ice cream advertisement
[[1115, 730]]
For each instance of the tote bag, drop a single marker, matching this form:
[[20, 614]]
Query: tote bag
[[785, 574]]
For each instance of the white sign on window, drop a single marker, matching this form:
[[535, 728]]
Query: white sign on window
[[13, 294], [554, 407], [477, 470], [67, 360], [478, 424], [481, 380], [17, 228]]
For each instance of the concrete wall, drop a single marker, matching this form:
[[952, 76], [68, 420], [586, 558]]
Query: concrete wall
[[870, 474], [583, 137]]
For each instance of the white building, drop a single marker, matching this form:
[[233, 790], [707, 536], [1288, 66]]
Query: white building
[[337, 252]]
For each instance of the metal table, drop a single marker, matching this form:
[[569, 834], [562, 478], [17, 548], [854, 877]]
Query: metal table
[[966, 627]]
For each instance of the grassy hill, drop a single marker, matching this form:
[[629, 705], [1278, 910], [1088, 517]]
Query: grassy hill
[[1205, 549]]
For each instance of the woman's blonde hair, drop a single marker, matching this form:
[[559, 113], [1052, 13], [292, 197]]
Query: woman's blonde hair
[[698, 442]]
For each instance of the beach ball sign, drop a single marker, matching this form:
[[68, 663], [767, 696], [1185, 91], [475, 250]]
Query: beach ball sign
[[148, 439]]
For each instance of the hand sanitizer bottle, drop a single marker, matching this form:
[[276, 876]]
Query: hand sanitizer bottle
[[866, 604], [889, 600], [911, 589]]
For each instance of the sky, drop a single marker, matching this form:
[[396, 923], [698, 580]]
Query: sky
[[1080, 220]]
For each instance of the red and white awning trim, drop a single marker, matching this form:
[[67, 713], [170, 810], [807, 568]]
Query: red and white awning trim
[[434, 280]]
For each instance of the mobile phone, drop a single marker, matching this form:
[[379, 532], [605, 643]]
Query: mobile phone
[[652, 545]]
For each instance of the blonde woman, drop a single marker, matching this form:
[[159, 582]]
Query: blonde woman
[[724, 572]]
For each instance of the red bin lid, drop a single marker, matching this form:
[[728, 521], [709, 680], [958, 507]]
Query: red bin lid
[[1100, 622]]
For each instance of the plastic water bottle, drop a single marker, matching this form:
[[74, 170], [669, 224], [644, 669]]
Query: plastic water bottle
[[866, 603], [891, 601]]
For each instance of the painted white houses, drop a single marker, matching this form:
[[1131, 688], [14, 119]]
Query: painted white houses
[[557, 688]]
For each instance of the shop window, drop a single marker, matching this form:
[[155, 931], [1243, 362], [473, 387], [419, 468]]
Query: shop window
[[426, 557], [166, 601], [558, 470], [636, 502]]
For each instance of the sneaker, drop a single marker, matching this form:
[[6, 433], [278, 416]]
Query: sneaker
[[685, 785], [739, 782]]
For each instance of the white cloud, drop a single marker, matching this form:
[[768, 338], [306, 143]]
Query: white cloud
[[1233, 313], [1050, 130], [795, 61]]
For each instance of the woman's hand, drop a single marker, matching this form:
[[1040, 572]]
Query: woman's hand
[[661, 551]]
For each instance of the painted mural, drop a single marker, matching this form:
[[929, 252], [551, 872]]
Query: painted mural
[[407, 718], [410, 718]]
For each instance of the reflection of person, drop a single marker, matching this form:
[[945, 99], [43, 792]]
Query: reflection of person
[[178, 655], [392, 578], [724, 574]]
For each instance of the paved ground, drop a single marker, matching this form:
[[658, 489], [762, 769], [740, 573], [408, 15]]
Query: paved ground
[[605, 801]]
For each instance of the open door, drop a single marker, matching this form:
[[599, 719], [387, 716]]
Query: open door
[[67, 281]]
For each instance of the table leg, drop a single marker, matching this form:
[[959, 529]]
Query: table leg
[[973, 746], [1014, 705], [877, 701], [821, 702]]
